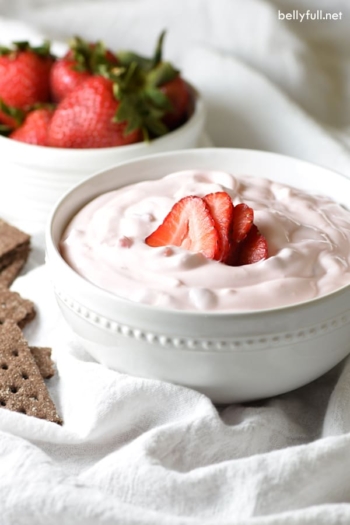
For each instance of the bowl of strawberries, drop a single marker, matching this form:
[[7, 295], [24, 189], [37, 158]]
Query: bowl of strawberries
[[223, 270], [64, 118]]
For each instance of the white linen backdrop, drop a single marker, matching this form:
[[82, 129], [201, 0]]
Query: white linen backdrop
[[135, 451]]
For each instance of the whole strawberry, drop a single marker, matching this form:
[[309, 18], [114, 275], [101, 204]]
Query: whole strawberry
[[83, 60], [163, 98], [34, 128], [24, 76], [178, 93], [86, 118]]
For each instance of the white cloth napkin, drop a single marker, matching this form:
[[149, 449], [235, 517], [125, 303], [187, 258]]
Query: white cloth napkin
[[135, 451], [140, 451]]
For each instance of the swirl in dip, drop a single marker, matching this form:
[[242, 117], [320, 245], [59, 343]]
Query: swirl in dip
[[308, 239]]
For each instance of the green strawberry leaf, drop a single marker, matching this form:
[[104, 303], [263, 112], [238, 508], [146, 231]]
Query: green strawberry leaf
[[5, 130], [80, 51], [161, 74], [90, 56], [136, 85], [42, 105], [101, 56], [155, 126], [125, 58], [5, 51], [22, 45], [158, 99], [16, 114], [132, 78], [127, 112], [43, 50]]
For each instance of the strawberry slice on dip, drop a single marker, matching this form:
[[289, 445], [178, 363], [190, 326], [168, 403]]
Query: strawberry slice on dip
[[189, 225], [252, 249], [221, 209], [242, 221], [213, 226]]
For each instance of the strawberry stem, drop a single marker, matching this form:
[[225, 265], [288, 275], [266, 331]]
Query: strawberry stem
[[157, 57], [125, 58]]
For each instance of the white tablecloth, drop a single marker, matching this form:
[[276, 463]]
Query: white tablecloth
[[134, 451]]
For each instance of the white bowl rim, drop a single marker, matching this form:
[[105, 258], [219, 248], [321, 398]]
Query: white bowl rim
[[198, 111], [50, 245]]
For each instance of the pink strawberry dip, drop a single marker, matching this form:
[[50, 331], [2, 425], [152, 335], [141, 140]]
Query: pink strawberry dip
[[308, 239]]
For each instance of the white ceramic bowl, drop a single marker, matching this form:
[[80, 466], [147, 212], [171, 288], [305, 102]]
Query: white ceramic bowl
[[230, 357], [35, 177]]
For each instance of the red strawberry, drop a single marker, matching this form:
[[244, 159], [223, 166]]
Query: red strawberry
[[151, 91], [80, 63], [64, 78], [221, 209], [189, 225], [172, 85], [252, 249], [178, 94], [86, 118], [24, 76], [243, 217], [35, 127], [242, 220]]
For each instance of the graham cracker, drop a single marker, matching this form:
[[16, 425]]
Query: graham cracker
[[15, 308], [42, 358], [9, 274], [22, 389], [14, 244]]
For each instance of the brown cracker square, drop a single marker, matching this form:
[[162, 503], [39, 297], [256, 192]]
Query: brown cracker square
[[22, 389], [9, 274], [15, 308], [14, 244], [42, 357]]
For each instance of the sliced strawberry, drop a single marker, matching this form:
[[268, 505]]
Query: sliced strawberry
[[221, 209], [252, 249], [242, 220], [189, 225], [243, 217]]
